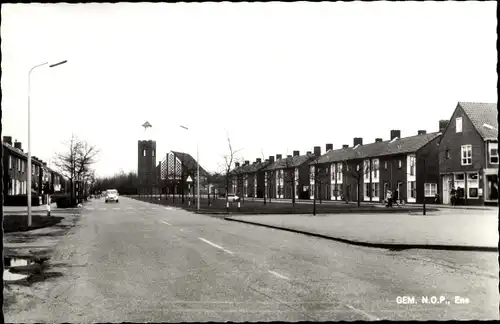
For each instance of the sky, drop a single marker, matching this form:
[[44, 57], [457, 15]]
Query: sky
[[273, 77]]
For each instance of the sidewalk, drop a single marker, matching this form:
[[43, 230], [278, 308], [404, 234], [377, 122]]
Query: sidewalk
[[24, 209], [378, 204], [447, 231]]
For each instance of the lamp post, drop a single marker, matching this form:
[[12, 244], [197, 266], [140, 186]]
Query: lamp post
[[197, 172], [29, 135]]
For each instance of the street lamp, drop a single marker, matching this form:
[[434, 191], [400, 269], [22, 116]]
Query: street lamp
[[29, 135], [198, 173]]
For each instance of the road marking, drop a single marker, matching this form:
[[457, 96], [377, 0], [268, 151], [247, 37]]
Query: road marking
[[168, 208], [359, 311], [166, 223], [103, 209], [116, 208], [215, 245], [278, 275], [154, 208]]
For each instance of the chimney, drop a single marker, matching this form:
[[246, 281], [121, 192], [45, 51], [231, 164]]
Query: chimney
[[247, 162], [442, 125], [329, 147], [308, 152], [7, 140], [378, 140], [317, 150], [296, 153], [288, 156], [358, 140], [236, 164], [422, 132], [278, 157], [395, 133], [345, 146], [271, 159], [259, 160], [18, 145]]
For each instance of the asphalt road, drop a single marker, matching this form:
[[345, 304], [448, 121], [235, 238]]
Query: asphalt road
[[139, 262]]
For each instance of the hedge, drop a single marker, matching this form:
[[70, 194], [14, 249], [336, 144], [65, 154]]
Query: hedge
[[21, 200]]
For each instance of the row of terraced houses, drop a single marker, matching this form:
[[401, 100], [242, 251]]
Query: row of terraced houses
[[15, 172], [462, 155]]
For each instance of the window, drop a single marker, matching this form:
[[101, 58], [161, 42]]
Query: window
[[143, 152], [367, 190], [473, 185], [339, 170], [412, 165], [447, 154], [375, 189], [494, 153], [18, 164], [153, 153], [466, 154], [458, 124], [375, 169], [385, 165], [10, 162], [367, 169], [400, 163], [412, 192], [430, 189]]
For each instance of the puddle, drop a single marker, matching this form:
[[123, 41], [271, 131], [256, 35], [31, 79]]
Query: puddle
[[9, 276]]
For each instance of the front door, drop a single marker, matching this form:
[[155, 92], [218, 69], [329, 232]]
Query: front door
[[447, 186], [491, 192]]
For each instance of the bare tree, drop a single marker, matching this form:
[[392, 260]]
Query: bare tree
[[357, 170], [229, 160], [317, 174], [76, 162], [289, 176]]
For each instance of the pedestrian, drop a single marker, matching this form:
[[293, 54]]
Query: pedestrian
[[396, 197], [389, 198], [453, 196]]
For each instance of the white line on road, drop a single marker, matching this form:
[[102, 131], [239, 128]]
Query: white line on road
[[116, 208], [359, 311], [166, 223], [168, 208], [154, 208], [215, 245], [182, 230], [278, 275]]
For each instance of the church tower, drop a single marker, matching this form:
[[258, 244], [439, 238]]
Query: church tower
[[146, 164]]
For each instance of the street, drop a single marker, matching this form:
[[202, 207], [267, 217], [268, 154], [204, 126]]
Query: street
[[137, 262]]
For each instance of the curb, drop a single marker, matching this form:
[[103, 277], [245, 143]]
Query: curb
[[377, 245]]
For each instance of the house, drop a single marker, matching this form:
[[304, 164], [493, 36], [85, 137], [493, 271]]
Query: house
[[287, 177], [15, 169], [468, 154], [248, 179], [176, 169], [408, 164]]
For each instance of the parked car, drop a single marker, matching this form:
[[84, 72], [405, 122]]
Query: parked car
[[111, 195]]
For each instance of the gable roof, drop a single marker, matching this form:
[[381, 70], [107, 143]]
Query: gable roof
[[189, 162], [289, 162], [400, 146], [250, 168], [480, 114], [21, 154]]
